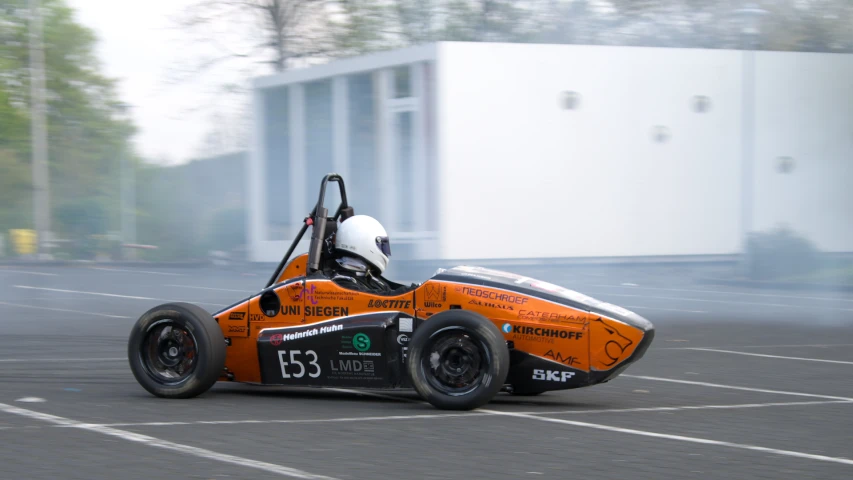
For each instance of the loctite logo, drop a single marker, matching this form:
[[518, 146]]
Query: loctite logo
[[541, 332], [391, 304]]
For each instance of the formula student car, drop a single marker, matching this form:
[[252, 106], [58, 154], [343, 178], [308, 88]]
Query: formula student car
[[458, 338]]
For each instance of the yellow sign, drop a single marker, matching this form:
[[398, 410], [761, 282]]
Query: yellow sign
[[23, 241]]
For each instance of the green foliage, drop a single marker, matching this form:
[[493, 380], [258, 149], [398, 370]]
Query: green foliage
[[815, 25], [15, 202], [370, 25], [85, 134], [779, 253]]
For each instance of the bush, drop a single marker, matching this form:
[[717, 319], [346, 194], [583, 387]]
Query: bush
[[779, 253]]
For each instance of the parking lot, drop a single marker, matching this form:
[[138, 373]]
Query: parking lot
[[739, 383]]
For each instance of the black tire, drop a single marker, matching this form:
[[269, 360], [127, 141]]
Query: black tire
[[186, 336], [469, 344]]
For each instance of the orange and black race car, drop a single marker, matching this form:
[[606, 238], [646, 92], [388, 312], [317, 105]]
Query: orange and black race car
[[458, 338]]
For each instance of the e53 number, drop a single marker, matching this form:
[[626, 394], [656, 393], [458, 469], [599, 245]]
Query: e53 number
[[292, 361]]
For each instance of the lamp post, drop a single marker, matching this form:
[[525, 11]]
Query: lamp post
[[38, 128], [749, 18]]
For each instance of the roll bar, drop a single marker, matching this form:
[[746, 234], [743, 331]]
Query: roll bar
[[317, 218]]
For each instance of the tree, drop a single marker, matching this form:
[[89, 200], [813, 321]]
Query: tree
[[85, 133], [273, 33], [368, 25], [815, 25]]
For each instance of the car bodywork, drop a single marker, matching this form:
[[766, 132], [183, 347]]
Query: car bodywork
[[306, 330]]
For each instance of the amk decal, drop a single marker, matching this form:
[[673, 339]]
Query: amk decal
[[361, 342]]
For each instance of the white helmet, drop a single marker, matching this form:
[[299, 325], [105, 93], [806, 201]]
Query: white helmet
[[365, 237]]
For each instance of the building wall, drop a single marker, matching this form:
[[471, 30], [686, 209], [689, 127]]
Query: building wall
[[528, 178], [804, 111], [365, 118]]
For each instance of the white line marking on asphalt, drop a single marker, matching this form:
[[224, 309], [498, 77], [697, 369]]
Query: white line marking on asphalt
[[278, 421], [680, 438], [376, 395], [27, 360], [727, 302], [61, 310], [114, 295], [816, 345], [211, 288], [138, 271], [470, 414], [723, 292], [628, 285], [692, 407], [31, 400], [769, 356], [164, 444], [734, 387], [131, 297], [45, 274], [822, 345], [638, 307]]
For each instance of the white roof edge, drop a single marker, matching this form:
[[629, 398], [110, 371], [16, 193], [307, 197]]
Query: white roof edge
[[346, 66]]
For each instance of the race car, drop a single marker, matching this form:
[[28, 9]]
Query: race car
[[458, 339]]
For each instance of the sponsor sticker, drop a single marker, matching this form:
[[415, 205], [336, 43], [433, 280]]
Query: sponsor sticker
[[286, 337], [361, 342], [351, 367], [497, 296], [326, 311], [552, 375], [390, 304], [540, 334], [559, 357]]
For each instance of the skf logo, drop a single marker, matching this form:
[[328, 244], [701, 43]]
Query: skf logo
[[236, 315], [552, 375]]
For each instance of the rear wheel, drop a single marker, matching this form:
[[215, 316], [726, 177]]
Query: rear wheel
[[458, 360], [176, 350]]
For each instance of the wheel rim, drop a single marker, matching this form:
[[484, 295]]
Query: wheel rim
[[169, 352], [455, 361]]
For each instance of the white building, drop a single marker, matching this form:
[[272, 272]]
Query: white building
[[483, 151]]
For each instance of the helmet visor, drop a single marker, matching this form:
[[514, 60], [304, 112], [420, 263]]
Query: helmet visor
[[384, 245]]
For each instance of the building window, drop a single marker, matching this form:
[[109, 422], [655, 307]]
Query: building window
[[402, 82], [277, 161], [319, 159], [362, 191], [404, 158]]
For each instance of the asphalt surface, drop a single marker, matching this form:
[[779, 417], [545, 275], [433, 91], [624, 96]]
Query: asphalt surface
[[738, 384]]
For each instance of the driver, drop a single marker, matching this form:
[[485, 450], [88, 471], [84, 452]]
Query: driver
[[362, 250]]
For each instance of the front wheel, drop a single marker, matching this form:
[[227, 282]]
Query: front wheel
[[458, 360], [176, 350]]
